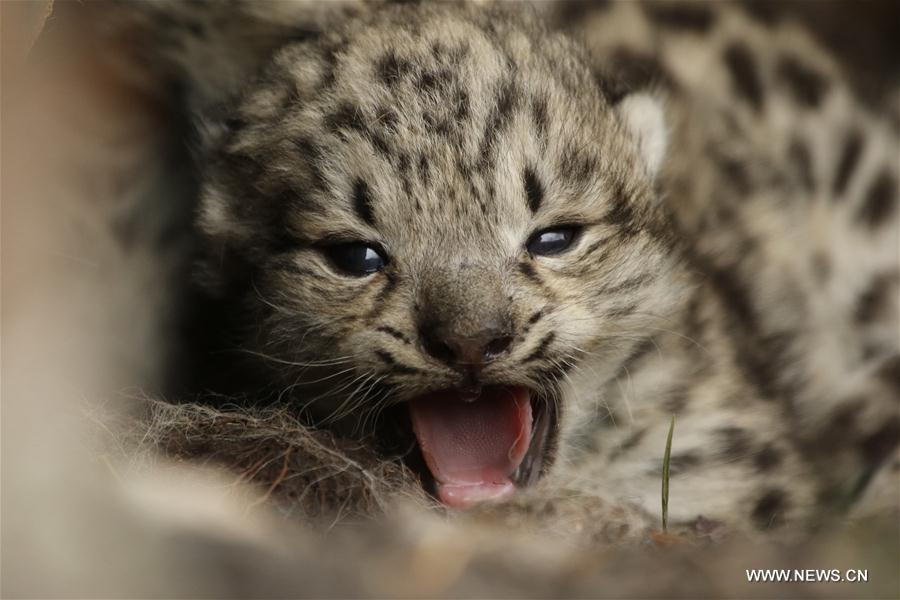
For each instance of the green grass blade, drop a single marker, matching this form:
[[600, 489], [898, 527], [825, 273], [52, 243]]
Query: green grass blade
[[665, 477]]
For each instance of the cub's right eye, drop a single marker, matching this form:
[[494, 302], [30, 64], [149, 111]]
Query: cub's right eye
[[355, 258]]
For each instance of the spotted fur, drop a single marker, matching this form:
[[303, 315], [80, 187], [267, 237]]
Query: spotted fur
[[736, 263]]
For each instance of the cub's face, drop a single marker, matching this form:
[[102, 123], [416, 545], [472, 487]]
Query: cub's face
[[439, 212]]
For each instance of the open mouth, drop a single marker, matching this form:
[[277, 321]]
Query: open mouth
[[482, 449]]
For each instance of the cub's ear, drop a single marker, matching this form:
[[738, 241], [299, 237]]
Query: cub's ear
[[644, 119]]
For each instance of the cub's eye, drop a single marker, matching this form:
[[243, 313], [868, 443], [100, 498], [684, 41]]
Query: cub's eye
[[552, 241], [355, 258]]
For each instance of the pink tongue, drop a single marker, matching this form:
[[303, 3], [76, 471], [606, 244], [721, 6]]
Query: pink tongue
[[472, 448]]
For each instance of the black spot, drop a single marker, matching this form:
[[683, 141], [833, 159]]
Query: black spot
[[630, 442], [235, 124], [537, 316], [765, 11], [679, 463], [634, 439], [541, 351], [426, 81], [527, 269], [386, 117], [430, 81], [396, 367], [499, 118], [329, 77], [763, 360], [876, 300], [798, 154], [465, 170], [767, 459], [880, 201], [540, 117], [595, 246], [768, 513], [393, 333], [391, 69], [386, 357], [290, 100], [733, 294], [889, 372], [612, 87], [632, 70], [346, 118], [403, 166], [380, 145], [310, 153], [362, 201], [850, 154], [734, 171], [676, 400], [694, 16], [620, 213], [389, 286], [576, 165], [807, 85], [462, 107], [744, 74], [424, 172], [308, 149], [734, 443], [574, 11], [629, 284], [871, 351], [331, 51], [534, 191], [879, 445], [842, 423]]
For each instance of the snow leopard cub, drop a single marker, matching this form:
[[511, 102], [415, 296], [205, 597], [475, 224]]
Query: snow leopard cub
[[438, 207], [456, 234]]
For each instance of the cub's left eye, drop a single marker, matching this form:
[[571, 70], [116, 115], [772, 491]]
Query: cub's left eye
[[356, 258], [551, 241]]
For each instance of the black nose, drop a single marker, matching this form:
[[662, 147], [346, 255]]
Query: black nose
[[470, 351]]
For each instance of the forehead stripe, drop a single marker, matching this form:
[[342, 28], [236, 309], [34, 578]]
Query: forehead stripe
[[534, 191], [362, 202]]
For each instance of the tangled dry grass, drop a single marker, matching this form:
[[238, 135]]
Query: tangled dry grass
[[304, 473]]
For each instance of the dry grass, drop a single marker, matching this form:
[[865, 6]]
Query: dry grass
[[308, 474]]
